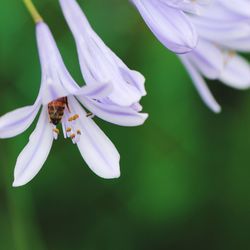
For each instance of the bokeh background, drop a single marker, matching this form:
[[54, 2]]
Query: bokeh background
[[185, 173]]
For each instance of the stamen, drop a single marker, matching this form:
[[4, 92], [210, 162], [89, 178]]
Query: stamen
[[55, 133], [228, 57], [72, 136], [56, 130], [73, 118], [69, 131], [76, 117], [231, 53], [64, 131], [70, 124]]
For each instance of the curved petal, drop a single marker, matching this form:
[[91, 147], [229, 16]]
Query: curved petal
[[132, 77], [219, 11], [171, 26], [123, 116], [97, 61], [201, 86], [33, 156], [188, 5], [96, 149], [221, 30], [241, 8], [56, 80], [95, 91], [236, 73], [17, 121], [208, 58], [98, 65], [242, 44]]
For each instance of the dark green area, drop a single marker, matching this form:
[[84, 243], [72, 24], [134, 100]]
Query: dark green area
[[185, 173]]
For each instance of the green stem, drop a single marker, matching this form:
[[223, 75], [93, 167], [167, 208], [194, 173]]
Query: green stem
[[33, 11]]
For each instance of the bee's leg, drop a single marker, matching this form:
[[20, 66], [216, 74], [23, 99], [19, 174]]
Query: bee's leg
[[67, 104], [89, 114]]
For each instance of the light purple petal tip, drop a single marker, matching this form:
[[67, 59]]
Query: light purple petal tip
[[35, 153]]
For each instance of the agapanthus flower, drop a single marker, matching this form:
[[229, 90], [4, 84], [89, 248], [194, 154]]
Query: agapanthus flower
[[98, 63], [59, 99], [223, 30], [170, 21]]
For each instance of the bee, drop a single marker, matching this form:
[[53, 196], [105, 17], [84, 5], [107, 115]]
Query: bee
[[56, 109]]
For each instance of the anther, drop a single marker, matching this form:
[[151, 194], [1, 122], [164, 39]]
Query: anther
[[76, 117], [78, 132], [68, 130], [229, 56], [231, 53], [56, 130], [72, 136], [73, 118]]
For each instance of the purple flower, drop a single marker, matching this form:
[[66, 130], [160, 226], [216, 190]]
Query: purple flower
[[59, 97], [223, 29], [241, 9], [170, 23], [98, 63]]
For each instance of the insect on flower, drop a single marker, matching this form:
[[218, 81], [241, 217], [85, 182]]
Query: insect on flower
[[57, 113], [56, 109], [98, 63], [59, 99]]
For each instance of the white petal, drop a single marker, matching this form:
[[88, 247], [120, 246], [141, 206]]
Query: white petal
[[241, 8], [227, 28], [171, 26], [17, 121], [220, 12], [95, 91], [97, 150], [120, 115], [97, 61], [35, 153], [98, 65], [242, 44], [132, 77], [201, 86], [188, 5], [236, 72], [56, 80], [208, 58]]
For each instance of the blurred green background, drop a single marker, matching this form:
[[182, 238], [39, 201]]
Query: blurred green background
[[185, 173]]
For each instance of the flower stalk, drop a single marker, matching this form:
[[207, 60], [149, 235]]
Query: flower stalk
[[33, 11]]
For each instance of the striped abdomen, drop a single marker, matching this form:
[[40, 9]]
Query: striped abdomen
[[56, 109]]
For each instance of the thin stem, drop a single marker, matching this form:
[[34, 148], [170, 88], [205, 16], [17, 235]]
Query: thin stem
[[33, 11]]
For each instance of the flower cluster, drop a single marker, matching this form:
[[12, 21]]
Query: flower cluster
[[112, 92], [205, 33]]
